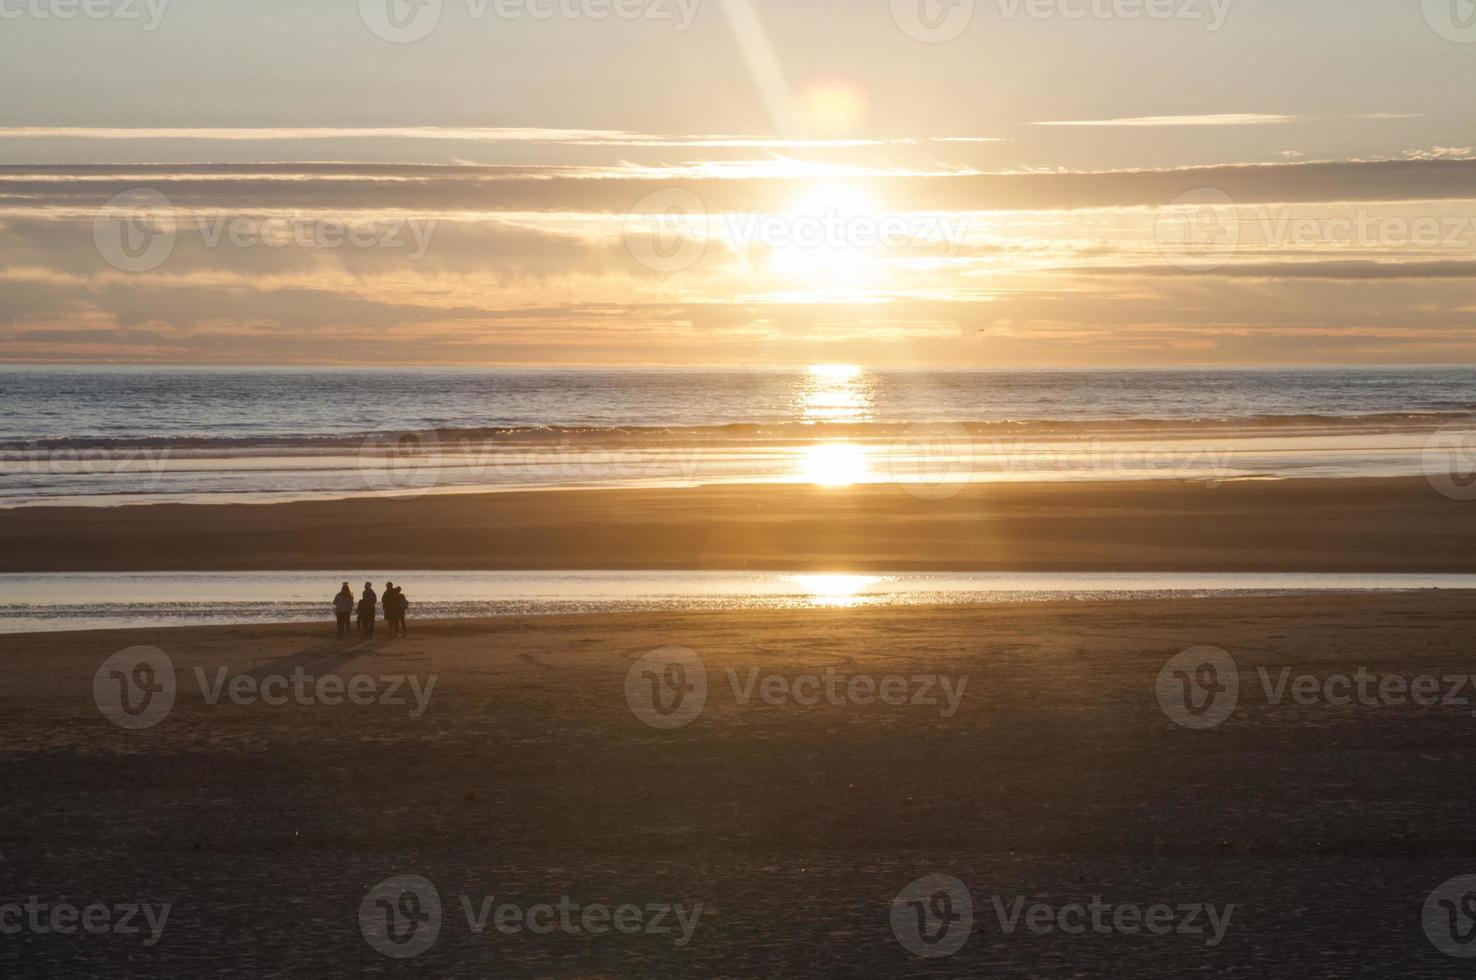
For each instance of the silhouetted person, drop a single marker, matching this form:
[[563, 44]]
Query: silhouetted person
[[343, 608], [401, 604], [391, 606], [366, 610]]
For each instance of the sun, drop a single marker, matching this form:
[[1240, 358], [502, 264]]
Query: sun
[[832, 231]]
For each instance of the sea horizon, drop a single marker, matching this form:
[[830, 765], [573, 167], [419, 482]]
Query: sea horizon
[[93, 437]]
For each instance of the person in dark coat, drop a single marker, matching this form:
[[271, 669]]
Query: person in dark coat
[[366, 610], [343, 609]]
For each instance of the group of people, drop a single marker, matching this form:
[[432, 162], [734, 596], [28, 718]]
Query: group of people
[[395, 605]]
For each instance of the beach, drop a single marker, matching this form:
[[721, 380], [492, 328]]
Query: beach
[[513, 764], [851, 695], [1396, 524]]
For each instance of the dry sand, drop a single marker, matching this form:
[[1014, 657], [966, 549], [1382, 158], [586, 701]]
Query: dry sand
[[1298, 525], [528, 777]]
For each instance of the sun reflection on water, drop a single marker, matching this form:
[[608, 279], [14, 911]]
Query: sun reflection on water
[[835, 464], [836, 589], [836, 393]]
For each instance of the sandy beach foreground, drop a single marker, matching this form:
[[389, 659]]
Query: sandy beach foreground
[[838, 757], [1350, 525]]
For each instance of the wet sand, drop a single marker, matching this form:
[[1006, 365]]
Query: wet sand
[[1388, 525], [529, 777]]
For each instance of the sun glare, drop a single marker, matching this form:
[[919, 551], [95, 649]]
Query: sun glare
[[835, 393], [835, 589], [831, 239], [835, 464]]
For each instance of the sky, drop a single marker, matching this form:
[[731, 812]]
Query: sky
[[991, 183]]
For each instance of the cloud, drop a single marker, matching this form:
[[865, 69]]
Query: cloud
[[471, 134], [1348, 270], [1220, 119], [334, 189], [528, 265]]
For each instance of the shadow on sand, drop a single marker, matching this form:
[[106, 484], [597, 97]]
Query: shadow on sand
[[324, 658]]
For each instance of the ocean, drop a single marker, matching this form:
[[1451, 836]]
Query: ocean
[[44, 602], [115, 435]]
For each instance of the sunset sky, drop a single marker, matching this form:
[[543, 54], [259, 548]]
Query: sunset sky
[[1062, 183]]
